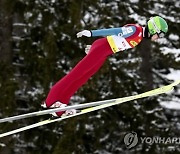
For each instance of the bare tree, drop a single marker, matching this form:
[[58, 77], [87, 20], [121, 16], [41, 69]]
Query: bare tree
[[5, 33], [146, 65]]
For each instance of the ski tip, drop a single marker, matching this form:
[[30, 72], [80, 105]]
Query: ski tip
[[175, 83]]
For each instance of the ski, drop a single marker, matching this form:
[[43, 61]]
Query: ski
[[48, 111], [117, 101]]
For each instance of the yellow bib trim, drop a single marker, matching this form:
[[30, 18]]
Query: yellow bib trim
[[112, 44]]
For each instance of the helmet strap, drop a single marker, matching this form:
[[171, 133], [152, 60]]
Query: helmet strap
[[146, 33]]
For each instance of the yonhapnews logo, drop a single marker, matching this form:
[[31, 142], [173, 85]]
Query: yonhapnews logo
[[131, 140]]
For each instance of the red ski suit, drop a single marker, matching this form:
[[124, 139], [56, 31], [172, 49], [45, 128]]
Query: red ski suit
[[91, 63]]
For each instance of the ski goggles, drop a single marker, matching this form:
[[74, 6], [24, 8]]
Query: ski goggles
[[161, 34]]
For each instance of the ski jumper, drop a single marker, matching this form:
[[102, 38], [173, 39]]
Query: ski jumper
[[115, 40]]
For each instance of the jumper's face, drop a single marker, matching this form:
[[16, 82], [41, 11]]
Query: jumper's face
[[154, 37]]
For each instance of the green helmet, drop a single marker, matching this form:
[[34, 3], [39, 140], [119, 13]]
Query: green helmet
[[157, 25]]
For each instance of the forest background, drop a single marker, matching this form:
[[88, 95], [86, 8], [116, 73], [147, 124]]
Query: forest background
[[38, 46]]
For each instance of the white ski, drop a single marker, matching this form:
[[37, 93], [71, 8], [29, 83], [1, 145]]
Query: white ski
[[48, 111], [157, 91]]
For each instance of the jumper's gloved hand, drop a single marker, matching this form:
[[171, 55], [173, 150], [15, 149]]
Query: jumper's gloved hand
[[87, 49], [86, 33]]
